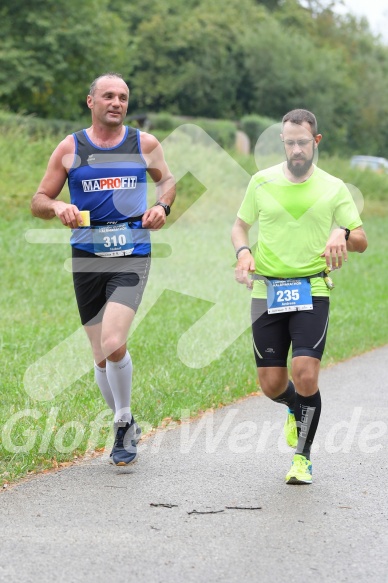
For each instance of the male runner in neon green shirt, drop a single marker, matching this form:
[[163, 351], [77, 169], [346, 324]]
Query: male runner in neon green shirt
[[307, 222]]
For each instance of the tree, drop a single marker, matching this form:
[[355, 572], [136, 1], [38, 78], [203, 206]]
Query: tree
[[196, 58], [56, 48], [190, 62]]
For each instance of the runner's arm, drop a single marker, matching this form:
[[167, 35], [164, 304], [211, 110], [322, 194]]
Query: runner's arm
[[357, 241], [336, 250], [245, 260], [43, 204], [155, 217]]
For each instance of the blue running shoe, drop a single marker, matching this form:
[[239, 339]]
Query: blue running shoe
[[124, 450]]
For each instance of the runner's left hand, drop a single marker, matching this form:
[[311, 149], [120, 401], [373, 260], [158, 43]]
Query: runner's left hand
[[154, 218], [335, 251]]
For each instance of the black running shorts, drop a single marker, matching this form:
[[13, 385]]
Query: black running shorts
[[98, 280], [273, 334]]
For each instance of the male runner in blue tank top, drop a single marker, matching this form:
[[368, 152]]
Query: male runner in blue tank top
[[106, 167], [296, 205]]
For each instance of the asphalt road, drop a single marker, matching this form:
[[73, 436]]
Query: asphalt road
[[207, 501]]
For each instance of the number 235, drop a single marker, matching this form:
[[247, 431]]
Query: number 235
[[287, 295]]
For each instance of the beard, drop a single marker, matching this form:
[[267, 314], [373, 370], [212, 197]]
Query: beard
[[300, 169]]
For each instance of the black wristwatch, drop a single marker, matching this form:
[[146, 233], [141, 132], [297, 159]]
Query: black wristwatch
[[167, 209], [347, 232]]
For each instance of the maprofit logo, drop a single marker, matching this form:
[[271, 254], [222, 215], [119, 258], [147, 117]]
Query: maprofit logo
[[114, 183]]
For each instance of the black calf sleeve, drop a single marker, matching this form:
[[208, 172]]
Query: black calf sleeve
[[288, 397], [307, 413]]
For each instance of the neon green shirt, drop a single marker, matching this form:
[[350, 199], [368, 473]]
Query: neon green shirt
[[295, 221]]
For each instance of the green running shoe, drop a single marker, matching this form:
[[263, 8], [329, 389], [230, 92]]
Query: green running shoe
[[301, 471], [290, 430]]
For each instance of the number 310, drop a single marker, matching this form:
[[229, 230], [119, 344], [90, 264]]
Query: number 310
[[109, 241]]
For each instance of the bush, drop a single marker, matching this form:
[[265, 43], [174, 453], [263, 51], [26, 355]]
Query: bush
[[37, 127], [221, 131], [161, 121], [254, 125]]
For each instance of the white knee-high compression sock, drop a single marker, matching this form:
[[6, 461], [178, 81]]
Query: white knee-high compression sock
[[103, 385], [119, 375]]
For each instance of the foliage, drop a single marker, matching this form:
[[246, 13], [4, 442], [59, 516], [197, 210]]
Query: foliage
[[254, 125], [51, 50], [38, 127], [162, 121], [195, 56], [222, 131], [203, 59]]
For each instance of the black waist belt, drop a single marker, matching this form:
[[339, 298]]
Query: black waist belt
[[265, 277], [107, 223]]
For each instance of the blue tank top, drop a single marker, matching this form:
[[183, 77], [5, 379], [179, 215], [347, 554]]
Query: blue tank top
[[111, 183]]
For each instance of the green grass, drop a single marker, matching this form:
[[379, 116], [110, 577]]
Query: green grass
[[39, 311], [359, 308]]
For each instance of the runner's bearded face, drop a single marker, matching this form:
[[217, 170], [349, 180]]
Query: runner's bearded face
[[299, 146]]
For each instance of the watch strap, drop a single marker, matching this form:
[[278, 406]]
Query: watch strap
[[241, 248], [166, 207], [347, 232]]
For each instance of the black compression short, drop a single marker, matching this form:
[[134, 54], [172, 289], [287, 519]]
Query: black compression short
[[273, 334], [98, 280]]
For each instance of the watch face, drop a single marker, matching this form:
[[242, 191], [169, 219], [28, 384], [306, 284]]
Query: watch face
[[165, 206]]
